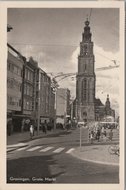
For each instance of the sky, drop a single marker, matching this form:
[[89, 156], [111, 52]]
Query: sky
[[52, 37]]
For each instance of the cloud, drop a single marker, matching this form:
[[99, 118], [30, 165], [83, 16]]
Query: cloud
[[74, 56]]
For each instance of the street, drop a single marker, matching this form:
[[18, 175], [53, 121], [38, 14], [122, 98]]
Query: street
[[49, 160]]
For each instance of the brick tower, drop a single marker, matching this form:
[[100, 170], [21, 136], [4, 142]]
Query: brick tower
[[85, 79]]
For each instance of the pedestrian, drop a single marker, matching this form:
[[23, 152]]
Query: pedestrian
[[31, 130], [110, 135], [91, 137], [102, 131], [105, 135], [69, 124], [45, 127], [98, 135], [22, 125]]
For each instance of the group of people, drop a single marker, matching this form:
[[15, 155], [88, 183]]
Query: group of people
[[100, 134], [32, 128]]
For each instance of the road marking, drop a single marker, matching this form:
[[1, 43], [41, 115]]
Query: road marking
[[70, 150], [46, 149], [16, 145], [34, 148], [10, 149], [58, 150], [23, 148]]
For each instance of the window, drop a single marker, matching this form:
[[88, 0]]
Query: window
[[11, 83], [85, 67], [24, 88], [15, 69], [31, 76], [19, 71], [25, 73], [31, 91], [13, 101], [20, 87], [27, 90], [85, 88], [8, 66], [11, 67]]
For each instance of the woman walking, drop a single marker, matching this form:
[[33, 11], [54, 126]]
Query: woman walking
[[31, 131]]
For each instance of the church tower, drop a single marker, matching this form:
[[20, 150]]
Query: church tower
[[85, 79], [107, 106]]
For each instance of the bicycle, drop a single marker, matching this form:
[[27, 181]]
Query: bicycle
[[114, 149]]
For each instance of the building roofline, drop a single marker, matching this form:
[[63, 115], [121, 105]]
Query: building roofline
[[14, 49]]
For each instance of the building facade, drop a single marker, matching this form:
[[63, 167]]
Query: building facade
[[99, 110], [15, 65], [104, 112], [45, 98], [108, 110], [62, 105], [85, 84], [52, 104], [30, 95], [29, 88]]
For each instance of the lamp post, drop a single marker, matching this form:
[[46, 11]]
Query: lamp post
[[55, 86], [55, 109]]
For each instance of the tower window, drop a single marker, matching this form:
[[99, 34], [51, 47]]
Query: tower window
[[85, 67], [85, 88], [85, 83]]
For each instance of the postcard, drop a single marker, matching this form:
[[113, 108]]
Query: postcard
[[62, 95]]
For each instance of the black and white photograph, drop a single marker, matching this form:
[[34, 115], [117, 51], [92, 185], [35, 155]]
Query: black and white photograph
[[64, 75]]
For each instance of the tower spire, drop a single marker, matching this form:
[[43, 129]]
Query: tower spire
[[85, 85]]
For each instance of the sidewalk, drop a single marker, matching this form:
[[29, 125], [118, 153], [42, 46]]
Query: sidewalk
[[96, 153], [22, 139]]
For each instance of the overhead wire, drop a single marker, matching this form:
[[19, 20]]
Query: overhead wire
[[60, 45]]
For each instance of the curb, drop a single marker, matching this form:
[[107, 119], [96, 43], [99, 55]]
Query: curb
[[36, 137], [90, 159], [96, 162]]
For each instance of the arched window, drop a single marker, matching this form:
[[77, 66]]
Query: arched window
[[85, 67], [84, 88], [77, 88]]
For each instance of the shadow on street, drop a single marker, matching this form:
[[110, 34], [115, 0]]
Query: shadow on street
[[31, 170]]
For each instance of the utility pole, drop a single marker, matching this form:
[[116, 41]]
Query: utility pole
[[55, 111], [71, 110]]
